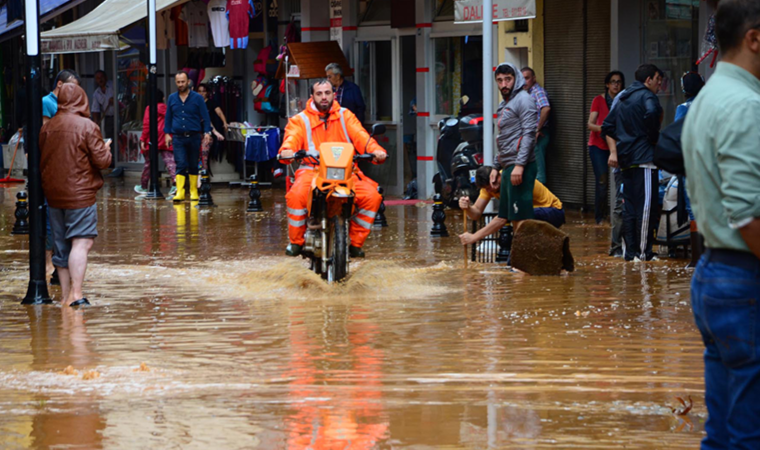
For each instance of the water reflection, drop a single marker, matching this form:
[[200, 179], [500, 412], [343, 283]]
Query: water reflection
[[245, 348], [59, 337]]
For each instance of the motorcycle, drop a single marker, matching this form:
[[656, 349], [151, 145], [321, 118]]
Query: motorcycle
[[459, 155], [331, 206]]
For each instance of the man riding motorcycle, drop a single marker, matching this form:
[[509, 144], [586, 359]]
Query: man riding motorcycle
[[324, 120]]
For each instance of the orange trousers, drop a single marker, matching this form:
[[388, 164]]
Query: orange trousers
[[366, 204]]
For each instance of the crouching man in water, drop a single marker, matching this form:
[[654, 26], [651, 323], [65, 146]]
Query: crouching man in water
[[516, 142], [73, 154], [546, 206], [324, 120]]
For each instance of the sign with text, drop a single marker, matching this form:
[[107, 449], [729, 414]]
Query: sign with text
[[468, 11], [336, 21]]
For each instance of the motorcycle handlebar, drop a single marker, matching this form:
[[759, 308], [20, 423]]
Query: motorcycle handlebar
[[301, 154]]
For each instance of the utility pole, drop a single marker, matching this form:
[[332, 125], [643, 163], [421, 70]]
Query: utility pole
[[37, 293], [154, 190]]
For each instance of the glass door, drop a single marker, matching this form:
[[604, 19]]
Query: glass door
[[377, 72]]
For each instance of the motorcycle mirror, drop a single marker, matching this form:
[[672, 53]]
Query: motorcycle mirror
[[378, 129]]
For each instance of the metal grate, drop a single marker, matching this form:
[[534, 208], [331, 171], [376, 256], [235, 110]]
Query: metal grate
[[487, 249]]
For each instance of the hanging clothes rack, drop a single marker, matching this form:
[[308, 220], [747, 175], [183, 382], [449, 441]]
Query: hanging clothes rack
[[239, 132]]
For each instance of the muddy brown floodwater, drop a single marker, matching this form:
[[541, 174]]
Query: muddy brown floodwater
[[204, 335]]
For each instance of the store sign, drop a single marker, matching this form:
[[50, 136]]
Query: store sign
[[468, 11], [78, 44], [336, 21]]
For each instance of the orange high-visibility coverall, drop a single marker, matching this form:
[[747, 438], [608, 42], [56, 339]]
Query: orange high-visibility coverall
[[367, 200]]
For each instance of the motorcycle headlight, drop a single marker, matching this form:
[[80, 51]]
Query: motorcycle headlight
[[336, 174]]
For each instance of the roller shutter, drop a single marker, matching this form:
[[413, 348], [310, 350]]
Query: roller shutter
[[577, 55]]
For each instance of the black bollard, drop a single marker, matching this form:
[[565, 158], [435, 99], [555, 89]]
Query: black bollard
[[205, 190], [255, 194], [22, 214], [439, 217], [506, 233], [380, 220]]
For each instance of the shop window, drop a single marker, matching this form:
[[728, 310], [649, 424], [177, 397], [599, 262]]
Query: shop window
[[671, 42], [131, 92], [458, 73], [375, 79]]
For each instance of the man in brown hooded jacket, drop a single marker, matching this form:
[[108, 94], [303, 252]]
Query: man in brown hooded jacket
[[73, 154]]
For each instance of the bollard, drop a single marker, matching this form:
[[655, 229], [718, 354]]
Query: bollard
[[439, 217], [380, 220], [22, 214], [205, 190], [255, 194], [506, 233]]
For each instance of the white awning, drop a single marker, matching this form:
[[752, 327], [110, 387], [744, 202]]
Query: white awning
[[99, 30]]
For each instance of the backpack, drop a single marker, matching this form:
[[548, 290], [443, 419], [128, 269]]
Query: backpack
[[259, 91], [668, 154], [260, 64], [270, 104]]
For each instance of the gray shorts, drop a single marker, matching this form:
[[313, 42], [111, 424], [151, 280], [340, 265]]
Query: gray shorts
[[68, 224]]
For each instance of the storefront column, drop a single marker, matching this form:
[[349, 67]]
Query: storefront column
[[315, 20], [350, 26], [426, 165]]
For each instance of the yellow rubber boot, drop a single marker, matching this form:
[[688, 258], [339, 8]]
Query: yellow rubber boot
[[180, 195], [193, 188]]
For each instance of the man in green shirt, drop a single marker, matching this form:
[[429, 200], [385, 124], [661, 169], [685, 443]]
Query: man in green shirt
[[721, 146]]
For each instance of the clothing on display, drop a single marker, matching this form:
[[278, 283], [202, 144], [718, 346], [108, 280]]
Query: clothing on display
[[180, 27], [196, 17], [239, 14], [220, 26], [164, 29]]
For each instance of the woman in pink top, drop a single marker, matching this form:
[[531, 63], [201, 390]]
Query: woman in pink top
[[163, 151], [598, 150]]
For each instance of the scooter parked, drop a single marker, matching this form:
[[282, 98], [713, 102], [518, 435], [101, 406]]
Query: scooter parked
[[459, 155]]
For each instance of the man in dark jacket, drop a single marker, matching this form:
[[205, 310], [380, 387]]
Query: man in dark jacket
[[73, 154], [347, 94], [635, 124]]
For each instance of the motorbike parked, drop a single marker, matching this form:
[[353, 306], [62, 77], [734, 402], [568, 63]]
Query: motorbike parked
[[459, 155], [331, 206]]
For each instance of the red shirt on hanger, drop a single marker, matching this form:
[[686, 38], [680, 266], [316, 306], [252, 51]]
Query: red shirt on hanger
[[180, 27], [239, 13]]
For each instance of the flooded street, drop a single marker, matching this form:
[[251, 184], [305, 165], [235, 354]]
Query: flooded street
[[204, 335]]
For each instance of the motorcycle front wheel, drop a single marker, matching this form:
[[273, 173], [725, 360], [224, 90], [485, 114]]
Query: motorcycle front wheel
[[337, 267]]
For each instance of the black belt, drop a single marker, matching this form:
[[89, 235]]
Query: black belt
[[736, 258], [187, 133]]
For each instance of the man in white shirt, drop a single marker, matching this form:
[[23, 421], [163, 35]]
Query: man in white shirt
[[102, 108]]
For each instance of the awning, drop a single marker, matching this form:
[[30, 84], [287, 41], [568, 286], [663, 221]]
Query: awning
[[99, 30], [49, 9]]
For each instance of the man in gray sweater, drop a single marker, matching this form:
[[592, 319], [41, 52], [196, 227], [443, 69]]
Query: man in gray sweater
[[516, 142]]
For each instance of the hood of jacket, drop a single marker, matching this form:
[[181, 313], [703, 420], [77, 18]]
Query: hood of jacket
[[634, 88], [73, 100], [312, 111], [519, 79]]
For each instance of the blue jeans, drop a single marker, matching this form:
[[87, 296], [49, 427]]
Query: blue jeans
[[599, 160], [724, 297], [187, 150]]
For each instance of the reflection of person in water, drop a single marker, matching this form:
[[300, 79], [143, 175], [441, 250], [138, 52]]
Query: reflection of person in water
[[347, 418], [59, 339]]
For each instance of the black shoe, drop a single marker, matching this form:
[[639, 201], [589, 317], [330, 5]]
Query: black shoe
[[293, 250], [116, 173], [80, 302], [355, 252]]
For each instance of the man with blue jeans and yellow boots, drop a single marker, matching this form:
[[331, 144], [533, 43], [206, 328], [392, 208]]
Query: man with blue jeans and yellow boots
[[721, 148], [186, 119], [517, 120]]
